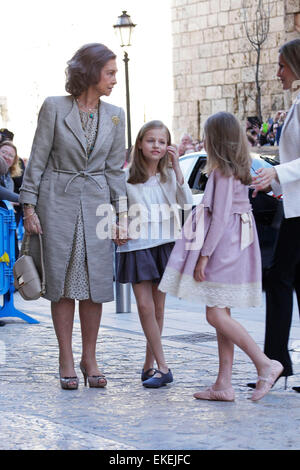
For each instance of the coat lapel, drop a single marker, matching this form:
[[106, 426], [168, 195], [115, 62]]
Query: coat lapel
[[73, 122], [288, 117]]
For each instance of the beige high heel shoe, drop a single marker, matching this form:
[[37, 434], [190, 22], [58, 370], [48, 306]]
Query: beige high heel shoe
[[95, 381], [68, 383], [268, 382]]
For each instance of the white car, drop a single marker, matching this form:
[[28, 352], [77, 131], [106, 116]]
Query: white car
[[192, 165]]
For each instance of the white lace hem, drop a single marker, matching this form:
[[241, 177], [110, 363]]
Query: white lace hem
[[213, 294]]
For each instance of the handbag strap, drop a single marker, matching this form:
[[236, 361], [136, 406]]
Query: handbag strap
[[25, 251]]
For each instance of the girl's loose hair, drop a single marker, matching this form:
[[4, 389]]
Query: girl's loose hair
[[137, 166], [290, 51], [15, 169], [84, 69], [227, 147]]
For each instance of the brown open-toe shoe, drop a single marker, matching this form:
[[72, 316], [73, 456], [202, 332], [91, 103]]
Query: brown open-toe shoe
[[68, 383], [95, 381]]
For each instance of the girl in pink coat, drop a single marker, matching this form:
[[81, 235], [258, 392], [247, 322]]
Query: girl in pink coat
[[217, 261]]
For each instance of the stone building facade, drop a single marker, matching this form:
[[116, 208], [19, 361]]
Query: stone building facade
[[214, 63]]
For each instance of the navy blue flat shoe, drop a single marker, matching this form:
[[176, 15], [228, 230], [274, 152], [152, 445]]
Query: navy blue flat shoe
[[146, 374], [156, 382]]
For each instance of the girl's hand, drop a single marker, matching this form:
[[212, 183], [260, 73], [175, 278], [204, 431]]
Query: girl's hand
[[174, 155], [199, 272], [263, 180], [121, 235], [31, 220]]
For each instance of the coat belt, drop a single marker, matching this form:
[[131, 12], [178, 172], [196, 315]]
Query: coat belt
[[246, 230], [85, 174]]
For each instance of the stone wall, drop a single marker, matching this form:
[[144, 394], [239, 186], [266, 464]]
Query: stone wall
[[214, 63]]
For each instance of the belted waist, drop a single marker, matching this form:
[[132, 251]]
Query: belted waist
[[76, 174]]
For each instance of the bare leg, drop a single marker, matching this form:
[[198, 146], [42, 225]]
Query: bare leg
[[90, 317], [159, 305], [146, 308], [226, 351], [237, 334], [63, 318]]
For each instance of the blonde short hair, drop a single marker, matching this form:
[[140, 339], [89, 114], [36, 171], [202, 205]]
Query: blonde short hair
[[15, 169]]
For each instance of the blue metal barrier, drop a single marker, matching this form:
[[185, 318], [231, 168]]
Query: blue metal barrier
[[7, 259]]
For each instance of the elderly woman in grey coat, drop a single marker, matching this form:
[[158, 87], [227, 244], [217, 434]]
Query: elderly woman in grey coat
[[75, 167]]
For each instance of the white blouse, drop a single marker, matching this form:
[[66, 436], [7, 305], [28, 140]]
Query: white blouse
[[160, 226]]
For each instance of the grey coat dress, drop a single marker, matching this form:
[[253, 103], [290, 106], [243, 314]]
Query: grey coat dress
[[60, 179]]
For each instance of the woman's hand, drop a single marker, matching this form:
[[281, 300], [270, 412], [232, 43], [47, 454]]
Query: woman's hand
[[121, 230], [121, 236], [32, 223], [263, 180], [199, 272]]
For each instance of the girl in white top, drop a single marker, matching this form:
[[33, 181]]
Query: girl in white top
[[155, 188]]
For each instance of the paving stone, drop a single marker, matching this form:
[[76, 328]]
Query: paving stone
[[37, 414]]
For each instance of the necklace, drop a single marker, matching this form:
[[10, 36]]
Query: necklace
[[91, 111]]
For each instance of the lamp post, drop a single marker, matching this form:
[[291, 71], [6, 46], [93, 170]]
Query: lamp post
[[125, 26]]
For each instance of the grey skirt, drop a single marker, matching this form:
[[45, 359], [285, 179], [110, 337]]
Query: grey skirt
[[143, 265]]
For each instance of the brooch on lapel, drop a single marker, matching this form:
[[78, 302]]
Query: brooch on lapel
[[115, 120]]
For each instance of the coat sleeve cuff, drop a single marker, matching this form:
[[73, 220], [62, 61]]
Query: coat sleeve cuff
[[120, 204], [28, 197]]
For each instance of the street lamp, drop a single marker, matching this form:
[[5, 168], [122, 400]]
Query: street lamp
[[125, 26]]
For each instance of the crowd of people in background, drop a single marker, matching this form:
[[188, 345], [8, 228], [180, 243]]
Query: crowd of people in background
[[265, 133], [259, 134], [11, 175], [11, 168]]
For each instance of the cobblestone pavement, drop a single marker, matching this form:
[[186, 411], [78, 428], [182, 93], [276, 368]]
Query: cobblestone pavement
[[37, 414]]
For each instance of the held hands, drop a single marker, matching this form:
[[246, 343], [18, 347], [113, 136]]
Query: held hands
[[199, 272], [120, 230], [32, 223], [263, 180], [120, 236]]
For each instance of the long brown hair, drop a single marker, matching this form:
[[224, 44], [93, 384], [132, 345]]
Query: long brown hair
[[15, 169], [137, 166], [227, 147]]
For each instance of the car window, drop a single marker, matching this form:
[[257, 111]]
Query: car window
[[185, 165], [198, 179]]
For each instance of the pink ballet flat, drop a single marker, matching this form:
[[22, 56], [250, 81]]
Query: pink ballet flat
[[216, 395], [276, 370]]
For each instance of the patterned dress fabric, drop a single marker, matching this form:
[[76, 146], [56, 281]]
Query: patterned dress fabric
[[77, 279]]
